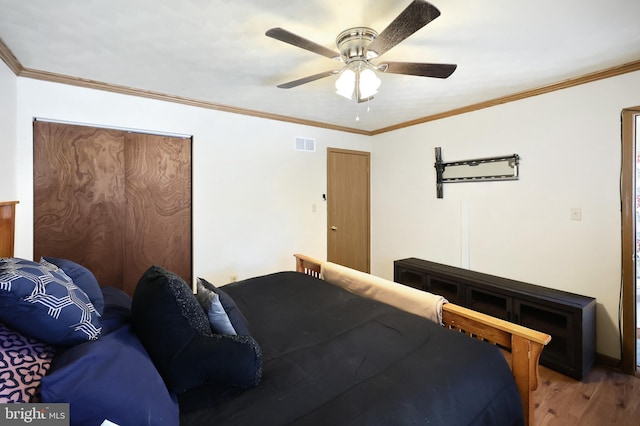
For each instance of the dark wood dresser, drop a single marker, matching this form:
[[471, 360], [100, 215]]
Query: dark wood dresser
[[569, 318], [7, 227]]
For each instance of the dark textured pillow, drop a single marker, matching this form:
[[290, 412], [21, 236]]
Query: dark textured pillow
[[112, 378], [81, 276], [223, 360], [23, 363], [45, 304], [238, 320], [166, 316], [218, 318], [175, 331]]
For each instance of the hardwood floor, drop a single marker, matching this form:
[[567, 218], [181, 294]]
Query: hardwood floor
[[603, 397]]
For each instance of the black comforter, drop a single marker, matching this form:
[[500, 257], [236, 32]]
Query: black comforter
[[334, 358]]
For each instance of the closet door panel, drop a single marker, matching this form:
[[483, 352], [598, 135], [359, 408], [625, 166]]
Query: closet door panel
[[158, 207], [79, 197]]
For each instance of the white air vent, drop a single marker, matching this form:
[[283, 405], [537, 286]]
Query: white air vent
[[305, 144]]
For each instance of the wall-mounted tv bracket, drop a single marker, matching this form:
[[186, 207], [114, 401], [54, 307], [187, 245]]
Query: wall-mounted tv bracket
[[479, 169]]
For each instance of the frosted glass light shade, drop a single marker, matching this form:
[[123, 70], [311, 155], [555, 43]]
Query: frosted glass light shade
[[346, 83], [369, 83]]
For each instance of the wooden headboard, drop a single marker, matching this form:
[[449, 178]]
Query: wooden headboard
[[7, 227]]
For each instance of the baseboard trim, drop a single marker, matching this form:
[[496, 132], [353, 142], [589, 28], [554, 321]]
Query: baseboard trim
[[608, 361]]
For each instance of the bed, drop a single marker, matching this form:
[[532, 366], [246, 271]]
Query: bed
[[323, 344], [334, 357]]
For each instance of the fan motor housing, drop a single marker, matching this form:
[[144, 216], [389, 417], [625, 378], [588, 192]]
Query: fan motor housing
[[352, 43]]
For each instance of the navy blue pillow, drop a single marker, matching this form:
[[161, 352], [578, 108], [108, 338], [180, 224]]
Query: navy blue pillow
[[45, 304], [175, 331], [117, 309], [82, 277], [114, 297], [237, 318], [111, 378]]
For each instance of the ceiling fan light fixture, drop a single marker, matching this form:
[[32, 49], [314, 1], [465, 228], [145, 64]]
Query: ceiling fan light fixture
[[366, 79], [369, 83], [346, 83]]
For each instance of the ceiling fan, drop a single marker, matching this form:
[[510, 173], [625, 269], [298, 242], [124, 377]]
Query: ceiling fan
[[359, 45]]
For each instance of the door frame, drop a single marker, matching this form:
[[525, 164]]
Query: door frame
[[629, 118]]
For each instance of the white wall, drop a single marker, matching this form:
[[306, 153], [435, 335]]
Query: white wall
[[252, 192], [569, 144], [8, 101]]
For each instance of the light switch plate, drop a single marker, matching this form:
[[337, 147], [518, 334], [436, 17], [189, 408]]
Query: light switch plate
[[575, 213]]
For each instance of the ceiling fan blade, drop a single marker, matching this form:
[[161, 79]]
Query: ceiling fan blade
[[295, 40], [418, 14], [308, 79], [419, 69]]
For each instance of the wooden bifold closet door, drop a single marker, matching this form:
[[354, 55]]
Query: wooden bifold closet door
[[114, 201]]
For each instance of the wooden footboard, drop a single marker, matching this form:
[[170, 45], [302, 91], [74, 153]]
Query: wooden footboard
[[524, 343]]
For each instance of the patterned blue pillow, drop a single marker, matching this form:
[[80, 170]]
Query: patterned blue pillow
[[23, 363], [45, 304], [81, 276]]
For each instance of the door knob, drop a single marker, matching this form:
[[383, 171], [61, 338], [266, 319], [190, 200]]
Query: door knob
[[334, 228]]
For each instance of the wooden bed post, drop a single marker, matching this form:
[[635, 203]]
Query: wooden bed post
[[524, 366], [307, 265]]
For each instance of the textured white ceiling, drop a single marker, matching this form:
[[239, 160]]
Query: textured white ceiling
[[216, 50]]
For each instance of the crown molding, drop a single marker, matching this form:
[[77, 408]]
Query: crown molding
[[12, 62], [9, 58], [572, 82], [124, 90]]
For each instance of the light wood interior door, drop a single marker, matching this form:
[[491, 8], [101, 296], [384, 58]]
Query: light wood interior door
[[348, 208], [114, 201]]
